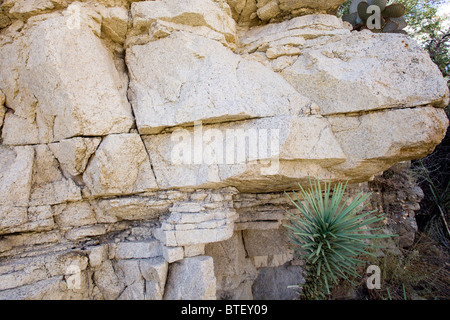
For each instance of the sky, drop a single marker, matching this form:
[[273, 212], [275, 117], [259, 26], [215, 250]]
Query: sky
[[445, 10]]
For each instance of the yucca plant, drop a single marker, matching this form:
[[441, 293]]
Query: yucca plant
[[329, 235]]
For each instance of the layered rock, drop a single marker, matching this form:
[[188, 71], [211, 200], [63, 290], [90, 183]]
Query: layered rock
[[145, 145], [211, 84], [249, 155], [253, 12]]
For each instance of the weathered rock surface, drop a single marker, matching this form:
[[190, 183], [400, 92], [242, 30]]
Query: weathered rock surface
[[145, 145], [16, 175], [395, 126], [277, 283], [49, 185], [129, 208], [194, 13], [54, 97], [2, 108], [232, 267], [210, 83], [39, 277], [355, 73], [267, 248], [217, 154], [74, 154], [191, 279], [120, 166], [198, 223], [291, 32], [252, 12]]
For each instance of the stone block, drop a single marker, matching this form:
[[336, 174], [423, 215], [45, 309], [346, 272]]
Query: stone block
[[191, 279]]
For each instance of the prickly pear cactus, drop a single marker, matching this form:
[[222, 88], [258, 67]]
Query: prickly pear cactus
[[391, 18]]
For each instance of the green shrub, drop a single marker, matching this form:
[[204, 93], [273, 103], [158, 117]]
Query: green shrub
[[329, 235]]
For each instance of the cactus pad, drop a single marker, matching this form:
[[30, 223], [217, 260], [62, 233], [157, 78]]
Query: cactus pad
[[395, 10]]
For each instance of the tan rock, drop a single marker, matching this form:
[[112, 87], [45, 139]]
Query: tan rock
[[2, 115], [97, 255], [27, 240], [232, 267], [39, 219], [135, 291], [16, 168], [137, 250], [65, 104], [355, 73], [290, 148], [107, 281], [191, 279], [395, 135], [273, 53], [208, 82], [129, 272], [144, 143], [161, 29], [154, 272], [2, 108], [252, 12], [73, 154], [195, 236], [316, 5], [153, 291], [270, 10], [194, 250], [19, 131], [47, 289], [74, 214], [85, 232], [261, 214], [193, 13], [114, 23], [49, 186], [119, 166], [293, 32], [129, 208], [172, 254], [27, 271], [244, 11], [4, 19], [27, 8], [11, 217]]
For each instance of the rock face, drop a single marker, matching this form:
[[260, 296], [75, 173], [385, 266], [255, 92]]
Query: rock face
[[49, 90], [120, 166], [192, 279], [251, 12], [145, 145]]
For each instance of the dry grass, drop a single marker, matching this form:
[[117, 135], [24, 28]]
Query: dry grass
[[419, 273]]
